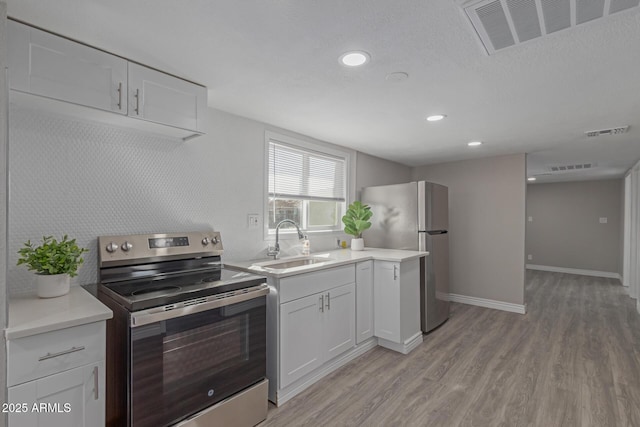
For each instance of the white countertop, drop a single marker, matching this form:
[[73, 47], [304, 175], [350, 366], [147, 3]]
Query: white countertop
[[30, 315], [334, 258]]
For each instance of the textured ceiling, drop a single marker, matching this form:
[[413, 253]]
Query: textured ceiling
[[277, 62]]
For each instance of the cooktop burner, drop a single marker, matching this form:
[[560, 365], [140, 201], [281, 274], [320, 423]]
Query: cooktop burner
[[139, 294], [141, 271]]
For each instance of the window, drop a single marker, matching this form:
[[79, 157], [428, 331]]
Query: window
[[306, 184]]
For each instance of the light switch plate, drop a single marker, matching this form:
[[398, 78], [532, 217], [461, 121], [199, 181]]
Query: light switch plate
[[253, 220], [603, 220], [530, 257], [530, 219]]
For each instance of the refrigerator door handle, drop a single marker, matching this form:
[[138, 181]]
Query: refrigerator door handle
[[436, 232]]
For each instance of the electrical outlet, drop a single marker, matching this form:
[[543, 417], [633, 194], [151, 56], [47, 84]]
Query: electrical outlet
[[530, 257], [253, 220], [530, 219]]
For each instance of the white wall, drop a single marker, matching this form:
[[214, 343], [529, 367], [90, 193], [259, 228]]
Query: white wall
[[3, 205], [486, 225], [89, 179]]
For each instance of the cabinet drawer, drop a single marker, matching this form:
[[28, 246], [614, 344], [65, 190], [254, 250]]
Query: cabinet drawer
[[40, 355], [301, 285]]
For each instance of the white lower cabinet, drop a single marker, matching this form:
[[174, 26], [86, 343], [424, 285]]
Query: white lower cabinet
[[57, 378], [301, 338], [314, 330], [73, 398], [396, 296], [364, 301]]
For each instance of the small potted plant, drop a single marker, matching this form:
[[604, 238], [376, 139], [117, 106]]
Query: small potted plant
[[54, 262], [356, 220]]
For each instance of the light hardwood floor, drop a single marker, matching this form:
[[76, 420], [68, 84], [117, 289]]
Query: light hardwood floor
[[572, 360]]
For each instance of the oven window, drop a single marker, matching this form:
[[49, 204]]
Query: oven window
[[189, 354], [186, 364]]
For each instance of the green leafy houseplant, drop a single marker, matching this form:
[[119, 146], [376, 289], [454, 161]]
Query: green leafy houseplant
[[52, 256], [356, 219]]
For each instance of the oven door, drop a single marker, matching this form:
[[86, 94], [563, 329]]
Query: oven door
[[185, 363]]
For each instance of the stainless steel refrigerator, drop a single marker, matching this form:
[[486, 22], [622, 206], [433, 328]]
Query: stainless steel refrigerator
[[415, 216]]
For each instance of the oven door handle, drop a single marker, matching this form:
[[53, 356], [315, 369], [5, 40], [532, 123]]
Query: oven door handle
[[158, 314]]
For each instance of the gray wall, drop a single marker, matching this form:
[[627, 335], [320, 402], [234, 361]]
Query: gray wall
[[486, 214], [621, 230], [3, 203], [376, 171], [565, 231]]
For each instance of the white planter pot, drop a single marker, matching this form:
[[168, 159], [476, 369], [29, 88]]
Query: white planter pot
[[52, 285], [357, 244]]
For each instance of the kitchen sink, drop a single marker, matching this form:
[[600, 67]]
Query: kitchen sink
[[292, 263]]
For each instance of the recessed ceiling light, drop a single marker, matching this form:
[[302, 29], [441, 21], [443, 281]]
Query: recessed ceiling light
[[474, 143], [531, 178], [436, 117], [354, 58]]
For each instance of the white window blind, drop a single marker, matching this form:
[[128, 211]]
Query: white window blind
[[296, 173]]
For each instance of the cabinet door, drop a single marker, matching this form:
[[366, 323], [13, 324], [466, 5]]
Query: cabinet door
[[386, 300], [300, 337], [94, 394], [339, 320], [161, 98], [44, 64], [67, 399], [364, 301]]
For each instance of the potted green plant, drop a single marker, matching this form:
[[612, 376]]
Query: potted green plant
[[54, 261], [356, 220]]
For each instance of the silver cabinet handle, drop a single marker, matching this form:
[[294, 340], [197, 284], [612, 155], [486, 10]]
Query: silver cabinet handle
[[96, 384], [322, 303], [61, 353], [328, 301], [395, 272], [120, 95], [137, 96]]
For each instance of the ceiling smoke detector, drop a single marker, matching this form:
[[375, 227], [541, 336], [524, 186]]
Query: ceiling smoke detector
[[504, 23], [604, 132]]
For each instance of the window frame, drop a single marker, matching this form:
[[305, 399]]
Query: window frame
[[318, 147]]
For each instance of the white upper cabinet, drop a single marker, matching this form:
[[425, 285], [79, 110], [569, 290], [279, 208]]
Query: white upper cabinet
[[161, 98], [56, 68], [51, 66]]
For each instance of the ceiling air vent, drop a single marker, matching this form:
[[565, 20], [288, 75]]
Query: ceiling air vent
[[570, 168], [603, 132], [504, 23]]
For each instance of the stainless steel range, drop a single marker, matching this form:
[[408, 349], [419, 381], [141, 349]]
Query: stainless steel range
[[187, 343]]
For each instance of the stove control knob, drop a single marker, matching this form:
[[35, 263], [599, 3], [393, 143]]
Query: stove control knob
[[112, 247], [126, 246], [206, 241], [215, 240]]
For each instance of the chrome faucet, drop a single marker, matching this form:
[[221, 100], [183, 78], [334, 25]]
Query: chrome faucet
[[275, 250]]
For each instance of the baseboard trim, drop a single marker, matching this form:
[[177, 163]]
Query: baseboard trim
[[404, 348], [289, 392], [593, 273], [489, 303]]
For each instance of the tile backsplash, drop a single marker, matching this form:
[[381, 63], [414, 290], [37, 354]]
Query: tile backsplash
[[88, 179]]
